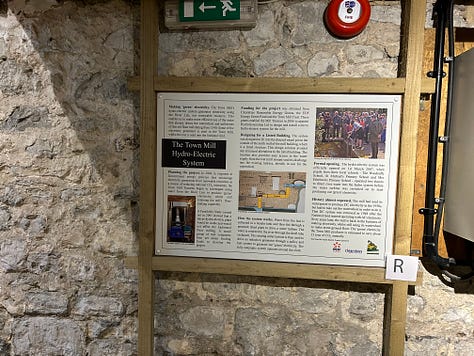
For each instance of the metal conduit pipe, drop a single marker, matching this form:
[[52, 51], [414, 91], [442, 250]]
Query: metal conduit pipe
[[443, 11]]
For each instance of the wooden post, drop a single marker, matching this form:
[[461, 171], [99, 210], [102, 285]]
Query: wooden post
[[148, 70], [411, 70]]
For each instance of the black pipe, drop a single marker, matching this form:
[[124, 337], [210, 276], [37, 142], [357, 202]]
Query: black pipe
[[444, 12], [451, 60], [430, 239], [447, 125]]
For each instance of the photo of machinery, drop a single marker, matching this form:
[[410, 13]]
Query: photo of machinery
[[272, 191], [181, 218]]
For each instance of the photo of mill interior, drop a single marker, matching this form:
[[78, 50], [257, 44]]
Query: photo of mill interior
[[272, 191]]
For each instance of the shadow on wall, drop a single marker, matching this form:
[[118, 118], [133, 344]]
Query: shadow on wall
[[69, 65], [3, 8], [68, 177]]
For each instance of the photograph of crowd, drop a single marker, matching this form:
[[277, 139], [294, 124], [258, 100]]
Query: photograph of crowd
[[350, 132]]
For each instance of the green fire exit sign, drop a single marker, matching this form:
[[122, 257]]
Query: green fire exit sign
[[209, 10]]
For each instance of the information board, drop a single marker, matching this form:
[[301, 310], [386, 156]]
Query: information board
[[277, 177]]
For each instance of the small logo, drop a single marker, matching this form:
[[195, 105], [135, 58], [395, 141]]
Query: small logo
[[349, 4], [336, 247], [353, 251], [372, 248]]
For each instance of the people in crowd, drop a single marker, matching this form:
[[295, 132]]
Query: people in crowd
[[360, 129]]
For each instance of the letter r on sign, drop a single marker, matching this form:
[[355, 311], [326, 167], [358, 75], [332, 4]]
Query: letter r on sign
[[401, 268], [397, 263]]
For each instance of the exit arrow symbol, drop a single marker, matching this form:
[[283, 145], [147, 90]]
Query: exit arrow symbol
[[203, 7]]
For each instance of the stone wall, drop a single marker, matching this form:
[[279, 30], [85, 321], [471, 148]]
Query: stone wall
[[68, 187], [68, 192], [289, 40]]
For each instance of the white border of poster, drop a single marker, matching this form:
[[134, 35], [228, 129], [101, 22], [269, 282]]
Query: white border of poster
[[301, 178]]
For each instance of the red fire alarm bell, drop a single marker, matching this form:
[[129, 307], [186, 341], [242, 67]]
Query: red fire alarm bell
[[347, 18]]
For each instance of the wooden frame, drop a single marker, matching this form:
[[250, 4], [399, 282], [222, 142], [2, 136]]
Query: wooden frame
[[410, 85]]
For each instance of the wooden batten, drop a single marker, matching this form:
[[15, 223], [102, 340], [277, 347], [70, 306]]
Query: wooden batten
[[412, 65], [146, 277], [269, 269], [283, 85]]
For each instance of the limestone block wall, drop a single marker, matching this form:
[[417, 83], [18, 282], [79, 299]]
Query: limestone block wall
[[290, 40], [68, 192]]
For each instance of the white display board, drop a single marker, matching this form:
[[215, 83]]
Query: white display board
[[277, 177]]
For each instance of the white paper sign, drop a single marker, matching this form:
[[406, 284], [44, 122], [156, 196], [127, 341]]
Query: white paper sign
[[304, 178], [401, 268]]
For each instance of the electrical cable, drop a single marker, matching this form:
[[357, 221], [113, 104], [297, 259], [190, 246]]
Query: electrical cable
[[264, 2]]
